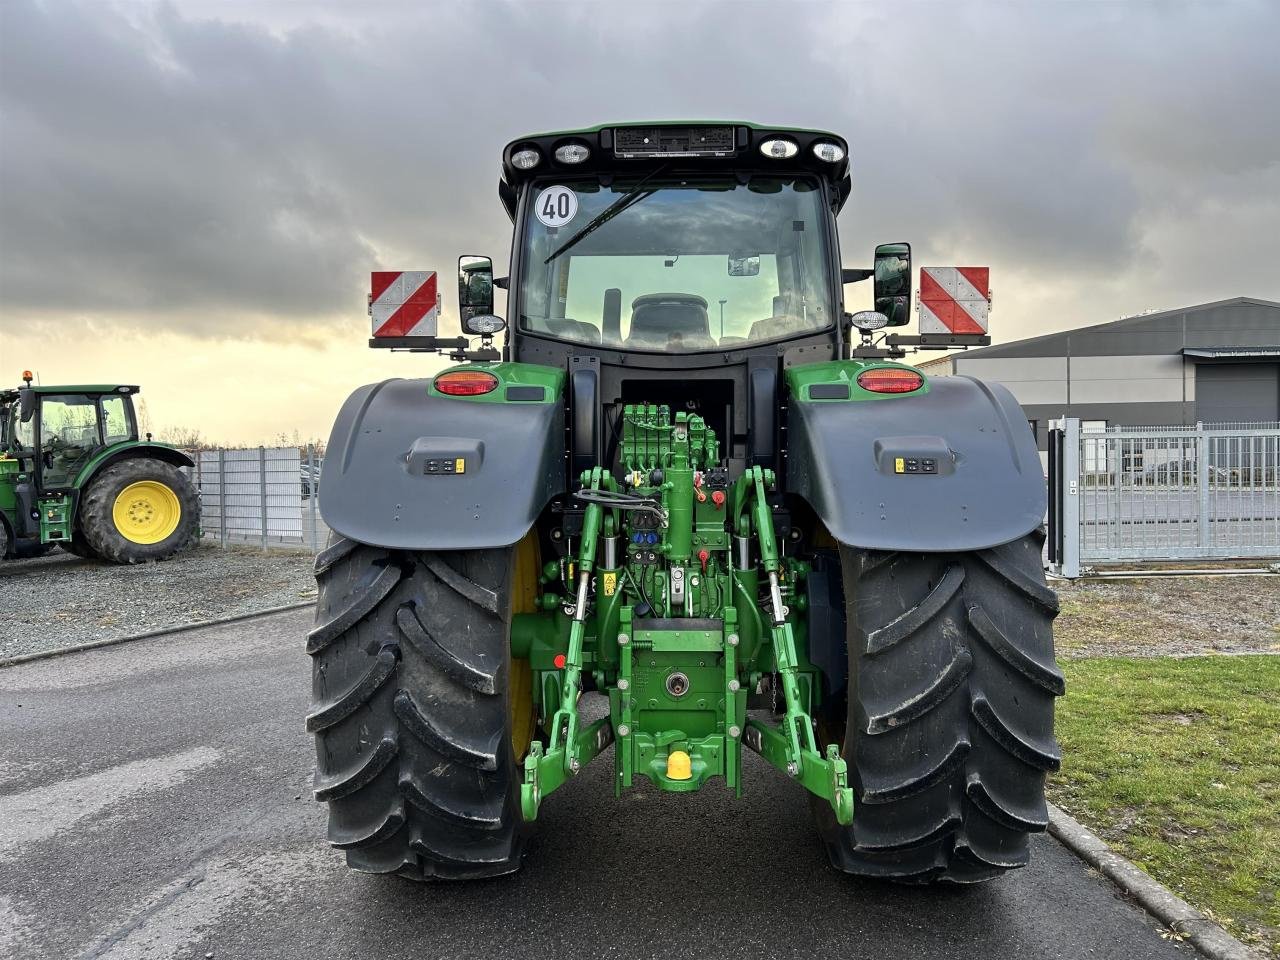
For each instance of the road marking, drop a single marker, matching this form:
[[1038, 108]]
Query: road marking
[[43, 812], [189, 909]]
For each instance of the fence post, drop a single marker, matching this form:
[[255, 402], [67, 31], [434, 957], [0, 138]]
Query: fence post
[[312, 491], [222, 497], [1202, 480], [262, 492], [1070, 563], [198, 476], [1053, 542]]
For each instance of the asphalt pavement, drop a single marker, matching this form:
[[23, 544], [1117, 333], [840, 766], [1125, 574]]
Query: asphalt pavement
[[155, 803]]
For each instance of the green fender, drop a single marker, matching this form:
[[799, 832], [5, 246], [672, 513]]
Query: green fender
[[127, 450]]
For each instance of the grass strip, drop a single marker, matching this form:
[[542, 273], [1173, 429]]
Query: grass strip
[[1176, 764]]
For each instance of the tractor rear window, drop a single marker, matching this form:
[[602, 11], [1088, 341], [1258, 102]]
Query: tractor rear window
[[675, 266], [115, 420]]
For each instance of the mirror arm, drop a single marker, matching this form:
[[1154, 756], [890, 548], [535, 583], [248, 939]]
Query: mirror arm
[[855, 274], [455, 348]]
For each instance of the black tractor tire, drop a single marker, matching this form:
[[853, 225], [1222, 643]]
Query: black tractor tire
[[79, 546], [97, 520], [14, 549], [410, 710], [948, 732]]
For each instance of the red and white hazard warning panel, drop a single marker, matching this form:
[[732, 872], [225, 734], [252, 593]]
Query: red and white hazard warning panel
[[954, 299], [404, 303]]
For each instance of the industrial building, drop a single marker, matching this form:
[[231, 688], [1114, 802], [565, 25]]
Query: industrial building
[[1214, 363]]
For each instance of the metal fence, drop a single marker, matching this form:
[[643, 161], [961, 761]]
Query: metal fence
[[264, 495], [1129, 494]]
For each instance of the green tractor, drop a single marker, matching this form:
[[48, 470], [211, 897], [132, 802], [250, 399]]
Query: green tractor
[[73, 473], [691, 484]]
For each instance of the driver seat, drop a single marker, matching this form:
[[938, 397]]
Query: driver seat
[[659, 318]]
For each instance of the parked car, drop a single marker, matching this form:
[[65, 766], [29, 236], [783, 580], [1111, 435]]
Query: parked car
[[1181, 473], [309, 478]]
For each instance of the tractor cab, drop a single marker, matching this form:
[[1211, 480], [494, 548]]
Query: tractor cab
[[687, 265], [56, 431], [57, 444]]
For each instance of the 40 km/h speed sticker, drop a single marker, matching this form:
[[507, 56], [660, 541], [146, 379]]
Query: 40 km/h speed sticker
[[556, 206]]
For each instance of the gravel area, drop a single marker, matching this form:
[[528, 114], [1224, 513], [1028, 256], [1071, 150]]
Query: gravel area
[[61, 600], [1168, 616]]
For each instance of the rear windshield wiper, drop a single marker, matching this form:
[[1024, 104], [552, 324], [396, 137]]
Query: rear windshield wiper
[[628, 199]]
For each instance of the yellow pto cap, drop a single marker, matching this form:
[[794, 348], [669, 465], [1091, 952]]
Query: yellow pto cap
[[679, 767]]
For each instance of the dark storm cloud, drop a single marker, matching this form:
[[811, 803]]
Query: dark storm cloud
[[207, 167]]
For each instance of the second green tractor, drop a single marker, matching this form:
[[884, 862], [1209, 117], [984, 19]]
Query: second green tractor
[[75, 474]]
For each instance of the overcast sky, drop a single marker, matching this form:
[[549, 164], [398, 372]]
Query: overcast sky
[[192, 194]]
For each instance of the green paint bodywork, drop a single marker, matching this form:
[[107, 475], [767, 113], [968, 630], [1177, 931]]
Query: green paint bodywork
[[651, 606], [55, 518], [801, 378], [10, 474], [509, 375]]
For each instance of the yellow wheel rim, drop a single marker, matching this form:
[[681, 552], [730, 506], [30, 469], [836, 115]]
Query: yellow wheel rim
[[146, 512], [524, 599]]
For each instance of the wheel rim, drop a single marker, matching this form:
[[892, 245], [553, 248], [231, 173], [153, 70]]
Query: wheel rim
[[146, 512]]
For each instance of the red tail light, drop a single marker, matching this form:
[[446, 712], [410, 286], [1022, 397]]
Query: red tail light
[[466, 383], [890, 380]]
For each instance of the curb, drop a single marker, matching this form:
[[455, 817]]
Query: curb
[[163, 631], [1175, 913]]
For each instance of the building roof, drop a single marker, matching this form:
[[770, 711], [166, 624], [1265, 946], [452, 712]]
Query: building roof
[[934, 365], [1214, 353], [999, 349]]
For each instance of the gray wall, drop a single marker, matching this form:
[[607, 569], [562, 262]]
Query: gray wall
[[1237, 392], [1132, 371]]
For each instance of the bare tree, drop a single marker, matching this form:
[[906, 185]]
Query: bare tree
[[144, 417], [186, 438]]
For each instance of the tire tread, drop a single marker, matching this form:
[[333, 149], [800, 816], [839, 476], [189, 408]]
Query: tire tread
[[410, 713], [950, 720]]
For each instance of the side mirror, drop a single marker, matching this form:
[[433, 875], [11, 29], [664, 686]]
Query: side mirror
[[475, 288], [26, 404], [893, 282]]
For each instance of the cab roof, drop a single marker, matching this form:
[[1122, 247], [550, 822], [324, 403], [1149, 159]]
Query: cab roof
[[681, 146], [598, 128], [77, 388]]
